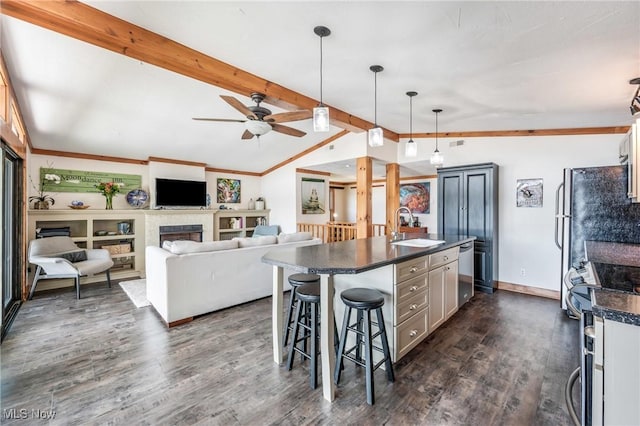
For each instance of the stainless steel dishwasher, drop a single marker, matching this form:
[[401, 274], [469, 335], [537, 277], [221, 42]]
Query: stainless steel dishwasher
[[465, 273]]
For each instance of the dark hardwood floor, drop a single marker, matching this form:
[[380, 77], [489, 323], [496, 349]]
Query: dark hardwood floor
[[502, 359]]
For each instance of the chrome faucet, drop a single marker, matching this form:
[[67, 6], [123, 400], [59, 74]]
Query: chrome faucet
[[395, 235]]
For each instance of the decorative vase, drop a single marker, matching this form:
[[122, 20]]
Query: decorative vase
[[109, 205], [41, 205], [259, 205], [252, 204]]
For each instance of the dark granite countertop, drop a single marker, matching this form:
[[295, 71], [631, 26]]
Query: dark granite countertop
[[355, 256], [616, 268]]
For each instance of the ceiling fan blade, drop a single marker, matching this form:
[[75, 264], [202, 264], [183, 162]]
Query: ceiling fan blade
[[239, 106], [287, 130], [288, 116], [247, 135], [220, 119]]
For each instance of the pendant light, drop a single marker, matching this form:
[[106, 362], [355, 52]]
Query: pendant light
[[436, 158], [375, 134], [321, 112], [411, 149]]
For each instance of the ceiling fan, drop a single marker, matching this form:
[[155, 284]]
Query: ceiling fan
[[260, 120]]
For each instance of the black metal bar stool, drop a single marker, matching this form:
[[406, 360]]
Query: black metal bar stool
[[306, 329], [296, 280], [364, 300]]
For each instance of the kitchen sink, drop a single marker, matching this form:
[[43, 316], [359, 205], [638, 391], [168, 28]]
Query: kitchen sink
[[418, 242]]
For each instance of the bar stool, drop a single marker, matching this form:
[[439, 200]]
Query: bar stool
[[306, 329], [296, 280], [364, 300]]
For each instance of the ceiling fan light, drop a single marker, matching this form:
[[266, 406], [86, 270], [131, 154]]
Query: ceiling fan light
[[411, 149], [375, 137], [436, 158], [321, 119], [258, 128]]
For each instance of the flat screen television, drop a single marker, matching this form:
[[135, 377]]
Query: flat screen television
[[180, 193]]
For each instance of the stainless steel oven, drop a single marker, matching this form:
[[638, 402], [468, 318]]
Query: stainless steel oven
[[578, 282]]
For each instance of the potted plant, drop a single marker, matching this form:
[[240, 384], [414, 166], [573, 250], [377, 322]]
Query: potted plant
[[42, 201], [260, 203]]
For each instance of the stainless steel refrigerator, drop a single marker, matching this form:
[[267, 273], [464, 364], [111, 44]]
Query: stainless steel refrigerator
[[592, 205]]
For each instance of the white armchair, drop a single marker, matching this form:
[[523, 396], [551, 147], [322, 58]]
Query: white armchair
[[60, 257]]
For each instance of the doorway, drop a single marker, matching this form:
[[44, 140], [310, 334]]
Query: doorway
[[11, 192]]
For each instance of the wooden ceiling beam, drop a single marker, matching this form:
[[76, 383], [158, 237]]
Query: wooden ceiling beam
[[534, 132], [85, 23]]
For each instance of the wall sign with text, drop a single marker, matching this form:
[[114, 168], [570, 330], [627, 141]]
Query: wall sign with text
[[61, 180]]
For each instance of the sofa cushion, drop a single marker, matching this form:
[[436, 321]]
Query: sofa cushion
[[185, 247], [292, 238], [261, 230], [257, 241]]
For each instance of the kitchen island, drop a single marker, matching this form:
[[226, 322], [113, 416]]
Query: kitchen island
[[374, 263]]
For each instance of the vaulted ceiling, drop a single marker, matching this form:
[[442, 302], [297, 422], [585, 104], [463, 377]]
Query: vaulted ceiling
[[489, 65]]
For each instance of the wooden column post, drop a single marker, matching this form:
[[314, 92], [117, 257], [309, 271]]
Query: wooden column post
[[393, 195], [364, 176]]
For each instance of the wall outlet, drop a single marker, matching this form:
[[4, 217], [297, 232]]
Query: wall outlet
[[523, 272]]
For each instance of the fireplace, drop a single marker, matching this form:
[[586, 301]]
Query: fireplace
[[180, 232]]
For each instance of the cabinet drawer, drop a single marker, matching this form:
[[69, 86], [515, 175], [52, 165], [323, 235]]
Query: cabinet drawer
[[411, 268], [411, 332], [410, 307], [442, 257], [411, 287]]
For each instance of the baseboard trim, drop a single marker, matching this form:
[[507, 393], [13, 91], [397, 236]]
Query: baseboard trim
[[533, 291], [179, 322]]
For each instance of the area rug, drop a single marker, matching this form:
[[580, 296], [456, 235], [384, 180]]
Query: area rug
[[137, 292]]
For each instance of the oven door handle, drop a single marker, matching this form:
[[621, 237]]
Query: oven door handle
[[568, 396]]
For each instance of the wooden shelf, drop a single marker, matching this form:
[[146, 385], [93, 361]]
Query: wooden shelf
[[248, 220]]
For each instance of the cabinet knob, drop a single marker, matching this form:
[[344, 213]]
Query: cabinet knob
[[413, 333], [412, 270], [446, 258], [447, 268], [413, 288], [413, 307]]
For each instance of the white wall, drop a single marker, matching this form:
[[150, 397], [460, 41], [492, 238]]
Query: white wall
[[526, 234]]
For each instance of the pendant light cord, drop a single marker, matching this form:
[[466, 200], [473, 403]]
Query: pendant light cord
[[375, 99], [437, 132], [410, 118], [321, 104]]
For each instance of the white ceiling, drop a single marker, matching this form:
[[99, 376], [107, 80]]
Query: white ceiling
[[489, 65]]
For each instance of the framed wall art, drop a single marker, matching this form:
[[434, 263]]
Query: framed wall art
[[529, 193], [228, 190], [416, 197], [312, 196]]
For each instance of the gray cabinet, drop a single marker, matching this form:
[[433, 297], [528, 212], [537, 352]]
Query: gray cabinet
[[468, 205]]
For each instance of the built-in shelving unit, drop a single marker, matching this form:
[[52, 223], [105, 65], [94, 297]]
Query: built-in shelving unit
[[119, 231], [238, 223]]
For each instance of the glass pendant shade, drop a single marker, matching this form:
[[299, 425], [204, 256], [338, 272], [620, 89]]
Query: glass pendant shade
[[436, 158], [375, 137], [321, 119], [411, 149]]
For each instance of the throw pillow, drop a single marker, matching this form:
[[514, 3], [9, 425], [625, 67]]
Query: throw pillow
[[292, 238], [257, 241], [262, 230], [74, 256], [185, 247]]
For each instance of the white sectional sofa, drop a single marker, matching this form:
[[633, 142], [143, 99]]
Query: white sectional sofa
[[187, 278]]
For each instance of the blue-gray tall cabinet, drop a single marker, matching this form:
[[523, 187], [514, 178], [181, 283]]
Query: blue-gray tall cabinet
[[468, 205]]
